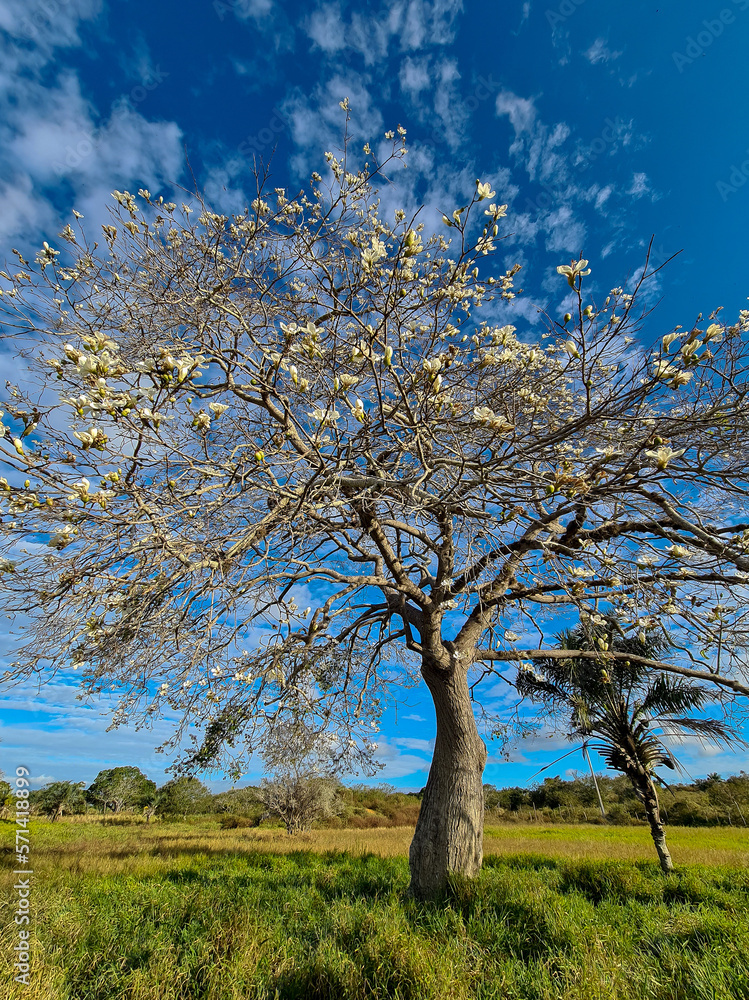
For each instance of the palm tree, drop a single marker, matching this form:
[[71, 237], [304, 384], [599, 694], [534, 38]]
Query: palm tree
[[627, 707], [58, 796]]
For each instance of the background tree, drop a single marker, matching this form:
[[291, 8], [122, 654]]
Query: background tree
[[304, 786], [183, 796], [5, 796], [240, 801], [59, 797], [629, 710], [312, 395], [119, 788]]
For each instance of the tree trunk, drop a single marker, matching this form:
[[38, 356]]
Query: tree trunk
[[649, 796], [57, 814], [450, 829]]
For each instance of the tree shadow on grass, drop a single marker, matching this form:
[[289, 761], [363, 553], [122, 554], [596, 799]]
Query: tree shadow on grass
[[333, 875]]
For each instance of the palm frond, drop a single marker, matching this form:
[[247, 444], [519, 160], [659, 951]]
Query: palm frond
[[709, 729]]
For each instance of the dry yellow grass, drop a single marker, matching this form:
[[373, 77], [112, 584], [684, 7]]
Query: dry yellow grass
[[144, 848], [689, 845]]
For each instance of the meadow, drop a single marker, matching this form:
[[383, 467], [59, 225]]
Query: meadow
[[190, 911]]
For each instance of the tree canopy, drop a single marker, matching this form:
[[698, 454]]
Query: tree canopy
[[183, 796], [120, 788], [315, 397], [58, 796]]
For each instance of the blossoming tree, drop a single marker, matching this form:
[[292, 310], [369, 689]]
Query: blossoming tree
[[220, 414]]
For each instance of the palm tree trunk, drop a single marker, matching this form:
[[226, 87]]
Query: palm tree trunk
[[450, 828], [647, 791]]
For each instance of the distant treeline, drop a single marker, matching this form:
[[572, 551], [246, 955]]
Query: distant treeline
[[710, 801]]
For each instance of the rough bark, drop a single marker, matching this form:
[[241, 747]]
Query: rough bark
[[449, 832], [649, 796]]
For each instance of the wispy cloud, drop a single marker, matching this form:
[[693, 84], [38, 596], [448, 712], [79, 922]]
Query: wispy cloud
[[52, 136], [599, 52], [384, 28]]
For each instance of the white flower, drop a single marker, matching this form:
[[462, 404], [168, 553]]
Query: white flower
[[646, 559], [388, 355], [326, 417], [358, 410], [678, 552], [99, 341], [511, 636], [571, 348], [664, 371], [663, 455], [202, 421], [347, 381], [691, 348], [163, 688], [370, 255], [484, 190], [571, 271], [46, 255], [580, 571], [485, 415], [496, 211], [86, 364], [80, 490], [680, 379], [94, 437], [669, 339], [713, 332], [218, 408]]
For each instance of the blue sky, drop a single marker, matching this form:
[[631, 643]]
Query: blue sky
[[600, 125]]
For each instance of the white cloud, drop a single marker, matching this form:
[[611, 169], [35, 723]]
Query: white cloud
[[46, 25], [397, 764], [414, 76], [565, 232], [376, 32], [520, 110], [317, 122], [410, 743], [58, 732], [640, 185], [600, 52], [50, 133]]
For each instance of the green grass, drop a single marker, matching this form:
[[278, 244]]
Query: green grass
[[150, 920]]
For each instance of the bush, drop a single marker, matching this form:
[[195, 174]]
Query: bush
[[299, 800], [238, 822]]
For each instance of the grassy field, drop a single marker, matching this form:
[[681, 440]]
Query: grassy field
[[187, 911]]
